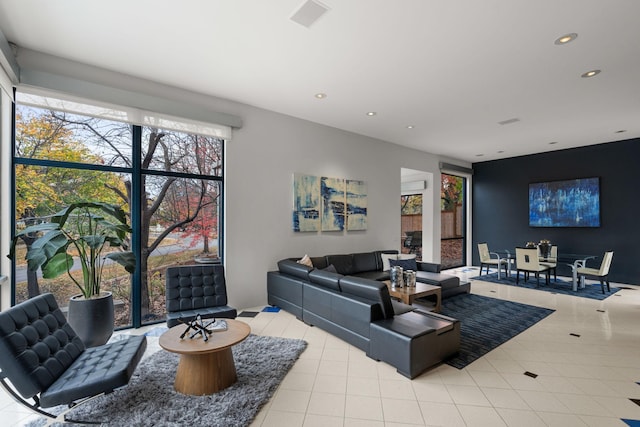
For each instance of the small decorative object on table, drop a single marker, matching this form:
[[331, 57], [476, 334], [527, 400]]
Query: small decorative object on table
[[545, 248], [410, 278], [530, 245], [200, 328], [396, 274]]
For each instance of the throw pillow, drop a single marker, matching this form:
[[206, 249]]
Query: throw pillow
[[406, 256], [385, 260], [306, 261], [406, 264], [330, 268]]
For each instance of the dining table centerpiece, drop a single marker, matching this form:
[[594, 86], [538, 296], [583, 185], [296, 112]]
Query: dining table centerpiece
[[544, 246]]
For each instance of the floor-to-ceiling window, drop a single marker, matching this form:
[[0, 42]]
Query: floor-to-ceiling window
[[452, 221], [169, 182]]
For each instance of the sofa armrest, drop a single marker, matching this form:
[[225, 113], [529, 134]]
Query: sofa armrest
[[369, 289], [428, 266], [293, 268]]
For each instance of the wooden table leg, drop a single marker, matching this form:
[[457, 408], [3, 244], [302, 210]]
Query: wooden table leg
[[438, 306], [208, 373]]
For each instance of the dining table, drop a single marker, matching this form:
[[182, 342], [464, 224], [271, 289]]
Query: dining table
[[573, 261]]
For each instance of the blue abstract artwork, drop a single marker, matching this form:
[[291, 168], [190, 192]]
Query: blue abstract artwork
[[356, 205], [332, 191], [570, 203], [306, 203]]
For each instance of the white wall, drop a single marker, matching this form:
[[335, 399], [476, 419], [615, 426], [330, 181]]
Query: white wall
[[5, 201], [260, 162]]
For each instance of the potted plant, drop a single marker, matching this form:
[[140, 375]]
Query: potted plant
[[87, 231]]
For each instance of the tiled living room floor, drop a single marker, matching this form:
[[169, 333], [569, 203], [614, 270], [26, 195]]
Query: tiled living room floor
[[582, 381]]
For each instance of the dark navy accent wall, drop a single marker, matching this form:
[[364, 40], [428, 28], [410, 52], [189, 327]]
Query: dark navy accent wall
[[501, 207]]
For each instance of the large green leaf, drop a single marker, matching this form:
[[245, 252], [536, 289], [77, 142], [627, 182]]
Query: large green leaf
[[95, 242], [118, 213], [47, 226], [57, 265], [125, 259], [46, 247]]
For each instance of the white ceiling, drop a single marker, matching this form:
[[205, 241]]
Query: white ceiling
[[451, 68]]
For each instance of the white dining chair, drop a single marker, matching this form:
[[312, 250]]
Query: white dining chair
[[551, 261], [487, 260], [601, 273], [527, 261]]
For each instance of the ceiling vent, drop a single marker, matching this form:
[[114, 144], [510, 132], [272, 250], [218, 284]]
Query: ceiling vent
[[509, 121], [309, 13]]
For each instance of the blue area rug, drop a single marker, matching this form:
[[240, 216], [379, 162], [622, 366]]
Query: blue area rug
[[562, 286], [485, 323]]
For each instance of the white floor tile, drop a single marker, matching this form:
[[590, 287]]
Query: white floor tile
[[505, 398], [364, 407], [520, 418], [441, 414], [362, 386], [561, 420], [477, 416], [467, 395], [327, 404], [402, 411]]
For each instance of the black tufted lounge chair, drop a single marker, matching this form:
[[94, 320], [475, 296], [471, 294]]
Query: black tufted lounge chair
[[44, 360], [194, 290]]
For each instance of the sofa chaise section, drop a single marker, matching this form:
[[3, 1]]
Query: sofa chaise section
[[414, 341]]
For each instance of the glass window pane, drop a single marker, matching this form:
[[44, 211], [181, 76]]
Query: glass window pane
[[180, 220], [411, 224], [43, 191], [180, 152], [54, 135], [452, 221]]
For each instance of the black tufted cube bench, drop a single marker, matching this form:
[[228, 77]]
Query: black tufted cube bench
[[43, 358], [194, 290]]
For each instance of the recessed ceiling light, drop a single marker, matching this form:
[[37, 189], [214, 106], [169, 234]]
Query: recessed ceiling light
[[479, 155], [590, 74], [371, 113], [409, 126], [320, 95], [500, 151], [553, 142], [566, 38], [621, 131]]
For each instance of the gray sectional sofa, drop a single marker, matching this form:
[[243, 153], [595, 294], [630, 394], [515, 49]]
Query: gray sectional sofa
[[369, 265], [359, 310]]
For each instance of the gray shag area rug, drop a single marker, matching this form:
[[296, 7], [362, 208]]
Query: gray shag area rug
[[150, 400]]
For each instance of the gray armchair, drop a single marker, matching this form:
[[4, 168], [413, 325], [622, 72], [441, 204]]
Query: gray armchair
[[45, 361], [194, 290]]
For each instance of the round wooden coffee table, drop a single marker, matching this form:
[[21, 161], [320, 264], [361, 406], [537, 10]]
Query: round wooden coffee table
[[205, 367]]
